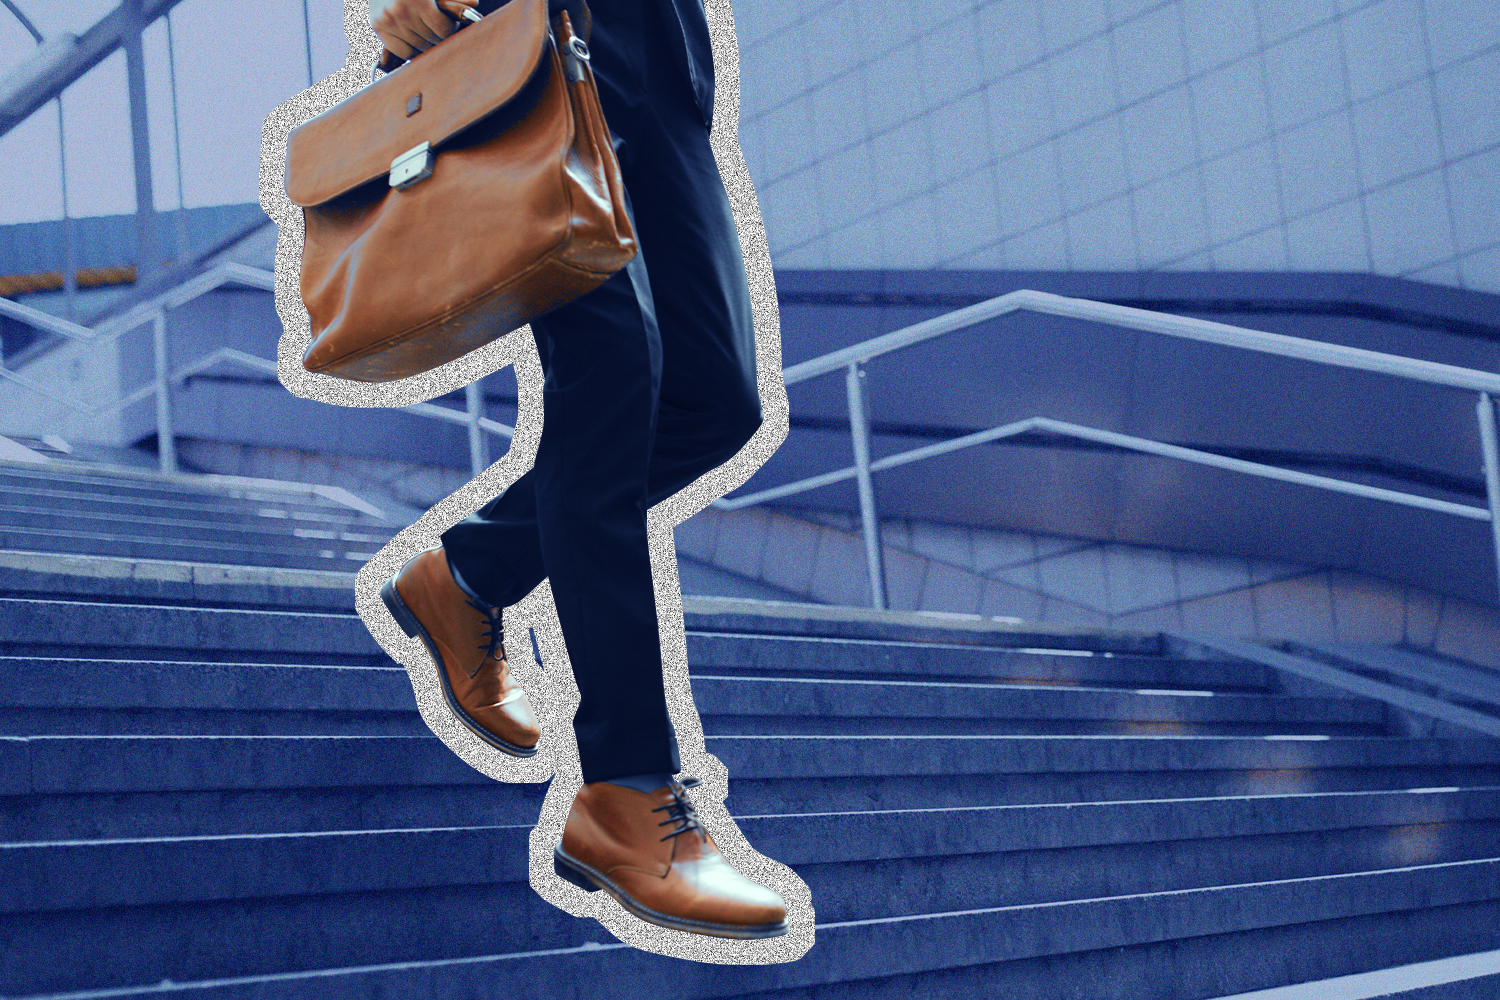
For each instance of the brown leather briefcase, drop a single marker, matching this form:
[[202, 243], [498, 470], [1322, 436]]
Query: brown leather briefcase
[[457, 198]]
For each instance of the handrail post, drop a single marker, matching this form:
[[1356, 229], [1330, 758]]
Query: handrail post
[[148, 250], [859, 429], [70, 243], [479, 458], [1490, 445], [166, 444]]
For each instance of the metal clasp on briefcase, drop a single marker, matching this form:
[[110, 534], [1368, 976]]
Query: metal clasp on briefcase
[[411, 166], [574, 56]]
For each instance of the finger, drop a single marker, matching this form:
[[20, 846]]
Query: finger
[[409, 41], [397, 47], [458, 10], [436, 22], [396, 30], [407, 20]]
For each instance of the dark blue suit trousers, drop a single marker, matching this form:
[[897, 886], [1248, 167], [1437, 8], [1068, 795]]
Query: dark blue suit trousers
[[650, 382]]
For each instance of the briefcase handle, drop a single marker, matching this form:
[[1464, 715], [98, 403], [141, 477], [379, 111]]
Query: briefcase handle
[[578, 12]]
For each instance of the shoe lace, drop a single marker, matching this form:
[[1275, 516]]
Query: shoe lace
[[680, 809], [494, 636]]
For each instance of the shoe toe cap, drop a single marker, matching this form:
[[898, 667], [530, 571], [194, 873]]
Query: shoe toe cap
[[732, 896], [517, 708]]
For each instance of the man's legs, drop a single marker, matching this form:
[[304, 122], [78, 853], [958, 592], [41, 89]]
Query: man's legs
[[687, 293], [650, 382], [709, 401]]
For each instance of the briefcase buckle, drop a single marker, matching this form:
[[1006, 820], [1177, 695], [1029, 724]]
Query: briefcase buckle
[[412, 166], [575, 54]]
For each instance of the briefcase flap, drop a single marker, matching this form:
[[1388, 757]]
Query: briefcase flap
[[481, 68]]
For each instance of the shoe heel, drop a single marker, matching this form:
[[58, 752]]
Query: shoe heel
[[398, 609], [567, 874]]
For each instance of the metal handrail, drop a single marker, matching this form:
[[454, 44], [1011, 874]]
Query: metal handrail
[[239, 357], [1145, 445], [154, 310], [1185, 327], [852, 360], [214, 278]]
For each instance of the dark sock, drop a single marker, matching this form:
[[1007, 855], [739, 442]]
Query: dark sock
[[647, 783]]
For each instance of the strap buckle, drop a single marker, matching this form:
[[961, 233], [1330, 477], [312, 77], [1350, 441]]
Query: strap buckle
[[575, 54]]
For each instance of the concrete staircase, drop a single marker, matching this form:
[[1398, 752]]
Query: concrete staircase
[[228, 789], [80, 507]]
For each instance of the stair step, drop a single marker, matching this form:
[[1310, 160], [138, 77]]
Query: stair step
[[954, 858], [56, 696], [34, 575], [1461, 977], [304, 554], [94, 626], [234, 534], [814, 757], [234, 530], [787, 706], [1056, 650], [128, 945], [74, 683], [59, 765], [85, 626], [1164, 946], [775, 619], [72, 764], [840, 657], [147, 486], [128, 783], [901, 771], [220, 812], [64, 497]]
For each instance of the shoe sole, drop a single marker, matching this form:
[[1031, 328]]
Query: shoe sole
[[413, 628], [570, 869]]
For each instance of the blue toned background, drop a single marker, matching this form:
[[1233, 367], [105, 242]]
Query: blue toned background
[[1314, 168], [1324, 169]]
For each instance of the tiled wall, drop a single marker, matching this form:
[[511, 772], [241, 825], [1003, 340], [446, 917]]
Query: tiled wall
[[1048, 578], [1128, 134]]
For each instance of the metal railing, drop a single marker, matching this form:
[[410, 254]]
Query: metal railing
[[154, 311], [851, 360]]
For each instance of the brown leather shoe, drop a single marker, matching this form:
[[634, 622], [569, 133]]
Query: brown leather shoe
[[613, 841], [465, 641]]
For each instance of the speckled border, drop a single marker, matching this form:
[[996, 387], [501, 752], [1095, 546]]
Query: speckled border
[[552, 691]]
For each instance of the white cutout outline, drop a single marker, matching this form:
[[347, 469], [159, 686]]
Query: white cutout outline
[[552, 691]]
